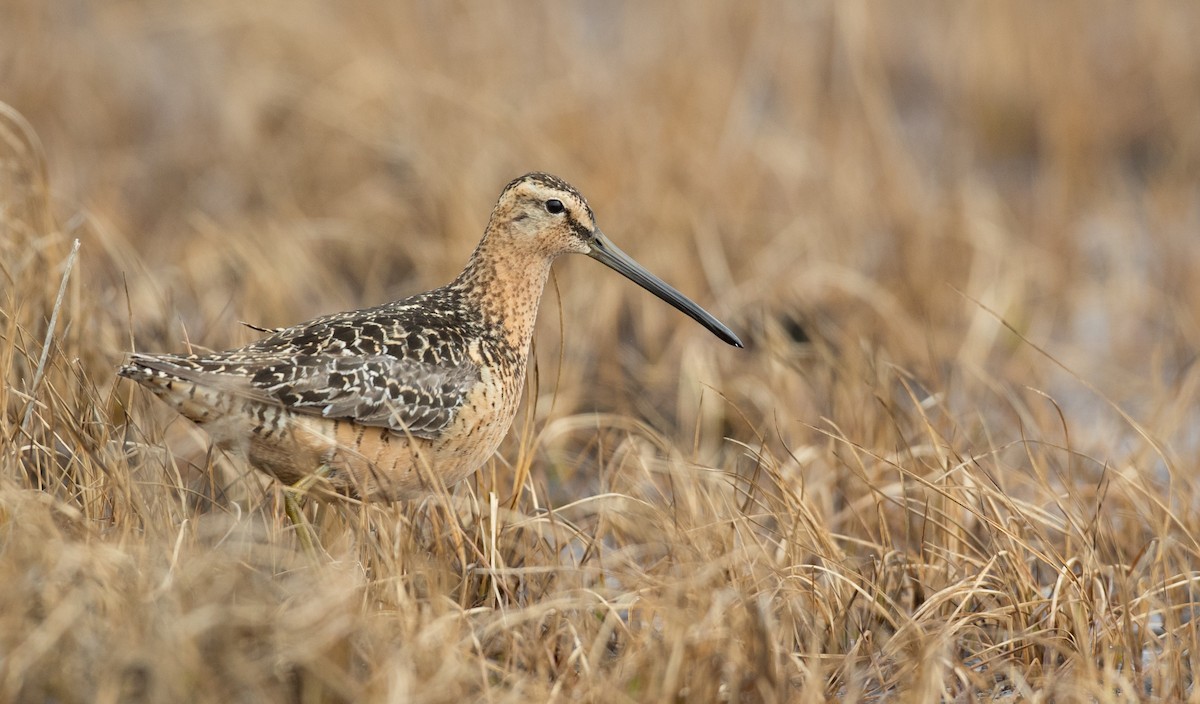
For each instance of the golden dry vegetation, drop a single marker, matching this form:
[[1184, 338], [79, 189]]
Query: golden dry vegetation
[[959, 459]]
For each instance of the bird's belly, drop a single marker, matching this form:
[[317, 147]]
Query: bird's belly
[[478, 428]]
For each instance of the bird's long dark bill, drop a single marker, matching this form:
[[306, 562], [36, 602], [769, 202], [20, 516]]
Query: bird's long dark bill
[[605, 251]]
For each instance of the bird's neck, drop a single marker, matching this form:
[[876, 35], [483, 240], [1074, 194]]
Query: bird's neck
[[507, 287]]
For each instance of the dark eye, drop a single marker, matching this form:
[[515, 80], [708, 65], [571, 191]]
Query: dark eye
[[554, 206]]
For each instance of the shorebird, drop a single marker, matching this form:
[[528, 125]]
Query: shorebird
[[361, 400]]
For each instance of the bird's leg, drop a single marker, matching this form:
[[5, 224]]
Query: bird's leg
[[293, 494]]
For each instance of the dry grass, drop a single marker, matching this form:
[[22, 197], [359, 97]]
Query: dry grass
[[958, 461]]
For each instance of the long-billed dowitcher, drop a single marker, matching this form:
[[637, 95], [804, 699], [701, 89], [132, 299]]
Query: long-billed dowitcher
[[363, 398]]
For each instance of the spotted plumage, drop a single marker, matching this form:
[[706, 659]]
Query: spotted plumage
[[369, 398]]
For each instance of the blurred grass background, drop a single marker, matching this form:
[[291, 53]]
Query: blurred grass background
[[957, 460]]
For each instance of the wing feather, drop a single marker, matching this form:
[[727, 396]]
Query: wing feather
[[402, 366], [404, 394]]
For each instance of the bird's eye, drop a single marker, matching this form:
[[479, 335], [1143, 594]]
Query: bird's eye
[[554, 206]]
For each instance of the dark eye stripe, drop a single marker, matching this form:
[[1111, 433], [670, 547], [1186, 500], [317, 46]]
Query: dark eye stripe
[[582, 232]]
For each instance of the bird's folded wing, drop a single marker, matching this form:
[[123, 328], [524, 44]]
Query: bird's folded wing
[[406, 395]]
